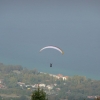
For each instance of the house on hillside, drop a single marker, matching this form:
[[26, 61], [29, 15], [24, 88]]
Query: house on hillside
[[35, 86], [16, 71], [42, 85], [65, 77], [0, 81], [21, 83], [91, 97], [1, 86], [60, 75], [49, 87]]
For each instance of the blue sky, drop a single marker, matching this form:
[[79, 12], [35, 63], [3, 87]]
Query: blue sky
[[74, 26]]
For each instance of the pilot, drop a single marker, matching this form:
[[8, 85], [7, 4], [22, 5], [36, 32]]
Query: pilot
[[50, 65]]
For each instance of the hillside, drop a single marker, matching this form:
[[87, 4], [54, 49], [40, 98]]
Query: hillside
[[17, 82]]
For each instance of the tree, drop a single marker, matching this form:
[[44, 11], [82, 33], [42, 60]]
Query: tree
[[39, 94], [0, 98]]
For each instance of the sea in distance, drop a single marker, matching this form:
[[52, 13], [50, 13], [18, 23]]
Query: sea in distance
[[42, 64]]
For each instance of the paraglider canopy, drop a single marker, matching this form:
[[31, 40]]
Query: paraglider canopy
[[52, 47]]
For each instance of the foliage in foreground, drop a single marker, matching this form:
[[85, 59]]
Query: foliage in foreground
[[39, 95]]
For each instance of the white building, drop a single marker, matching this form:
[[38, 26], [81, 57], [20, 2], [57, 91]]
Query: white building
[[42, 85], [49, 87]]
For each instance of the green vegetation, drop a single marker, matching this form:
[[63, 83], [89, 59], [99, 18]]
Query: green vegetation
[[18, 83], [39, 95]]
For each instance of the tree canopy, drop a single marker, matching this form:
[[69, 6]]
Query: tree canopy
[[39, 94]]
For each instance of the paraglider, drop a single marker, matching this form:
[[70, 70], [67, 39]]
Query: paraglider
[[52, 47]]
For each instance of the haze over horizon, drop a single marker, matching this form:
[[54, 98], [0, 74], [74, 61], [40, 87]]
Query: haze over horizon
[[74, 26]]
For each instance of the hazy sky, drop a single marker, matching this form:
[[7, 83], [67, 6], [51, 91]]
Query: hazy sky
[[73, 25]]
